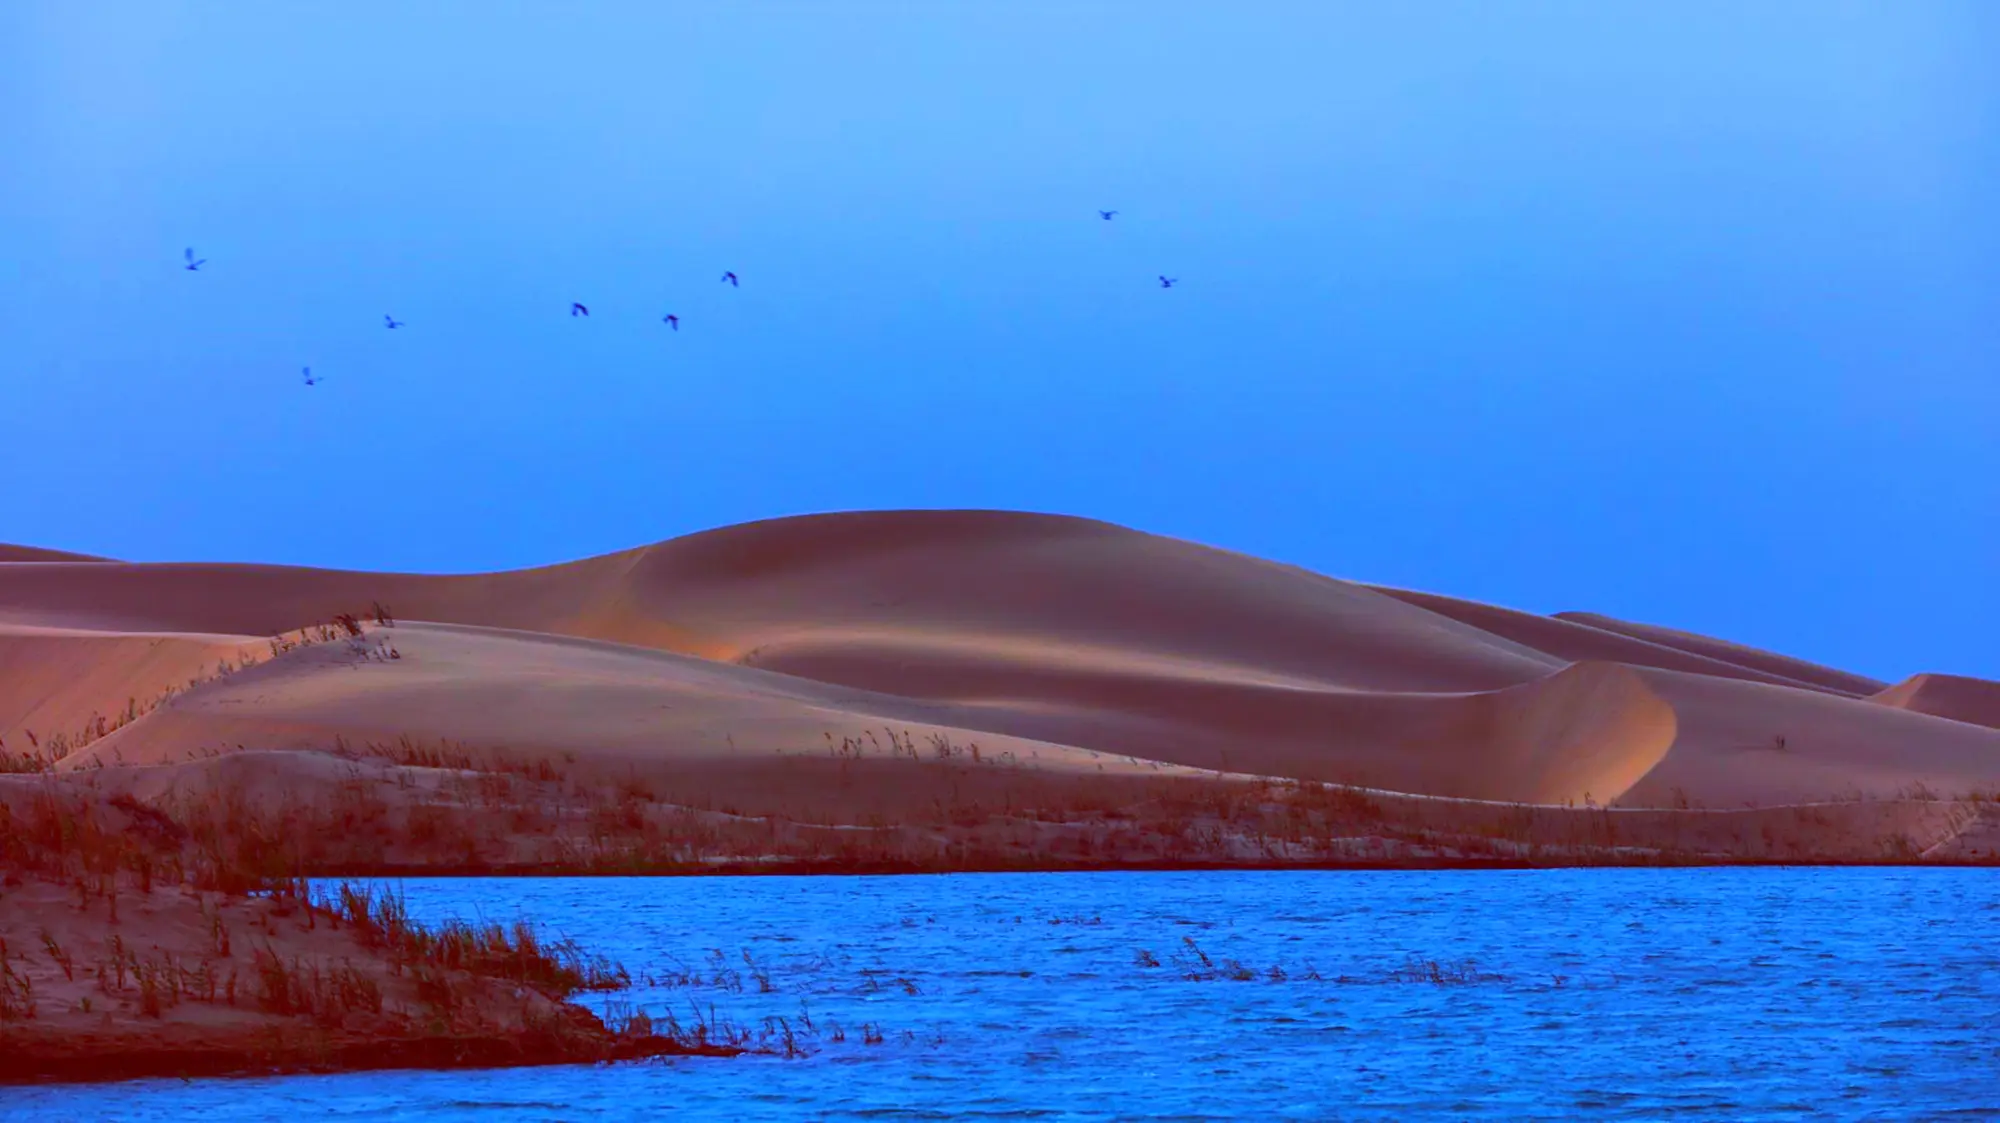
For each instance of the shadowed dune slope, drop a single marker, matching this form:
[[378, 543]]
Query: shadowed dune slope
[[1975, 701], [1055, 638]]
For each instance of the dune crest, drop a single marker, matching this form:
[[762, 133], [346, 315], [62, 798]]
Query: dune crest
[[1975, 701], [1783, 667], [61, 686], [12, 553]]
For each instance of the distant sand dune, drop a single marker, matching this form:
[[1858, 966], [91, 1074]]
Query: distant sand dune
[[1727, 752], [1573, 636], [1975, 701], [1749, 658], [1056, 581], [37, 554], [1069, 644]]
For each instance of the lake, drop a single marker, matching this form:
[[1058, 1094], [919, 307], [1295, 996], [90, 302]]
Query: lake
[[1607, 994]]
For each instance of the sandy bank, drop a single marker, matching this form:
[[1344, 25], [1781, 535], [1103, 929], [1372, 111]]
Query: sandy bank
[[128, 948]]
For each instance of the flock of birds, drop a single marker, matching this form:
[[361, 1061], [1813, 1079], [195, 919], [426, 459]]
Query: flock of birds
[[578, 308]]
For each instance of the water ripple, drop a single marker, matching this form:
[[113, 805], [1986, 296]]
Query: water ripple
[[1613, 994]]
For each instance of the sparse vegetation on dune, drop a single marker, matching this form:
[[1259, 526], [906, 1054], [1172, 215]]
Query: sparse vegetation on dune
[[411, 807], [42, 753]]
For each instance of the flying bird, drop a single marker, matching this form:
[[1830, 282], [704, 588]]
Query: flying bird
[[731, 278], [1167, 282], [1106, 215], [391, 321], [192, 264], [310, 380], [671, 321], [576, 309]]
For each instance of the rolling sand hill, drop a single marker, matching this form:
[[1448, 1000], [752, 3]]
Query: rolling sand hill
[[1063, 646], [1971, 700]]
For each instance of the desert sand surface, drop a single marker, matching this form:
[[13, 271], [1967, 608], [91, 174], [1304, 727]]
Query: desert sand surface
[[10, 553], [1970, 700], [1021, 650], [1781, 666]]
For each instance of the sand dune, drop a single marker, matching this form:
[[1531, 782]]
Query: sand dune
[[9, 553], [724, 594], [533, 695], [1727, 752], [756, 589], [1585, 728], [1572, 636], [1069, 645], [55, 682], [1749, 658], [1975, 701]]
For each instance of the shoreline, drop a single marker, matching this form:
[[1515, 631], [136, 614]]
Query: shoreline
[[833, 869], [26, 1061], [132, 945], [131, 894]]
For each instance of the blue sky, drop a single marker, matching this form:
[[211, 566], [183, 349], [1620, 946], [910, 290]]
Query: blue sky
[[1684, 312]]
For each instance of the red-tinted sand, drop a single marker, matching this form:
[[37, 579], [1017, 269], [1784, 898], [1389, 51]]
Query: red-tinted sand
[[1070, 644]]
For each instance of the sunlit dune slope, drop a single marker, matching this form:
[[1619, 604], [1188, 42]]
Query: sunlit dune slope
[[1054, 638], [536, 695], [57, 682], [1972, 700]]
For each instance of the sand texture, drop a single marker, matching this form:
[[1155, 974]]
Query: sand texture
[[1057, 647]]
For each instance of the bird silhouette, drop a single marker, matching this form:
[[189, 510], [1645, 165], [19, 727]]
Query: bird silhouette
[[1167, 282], [1106, 215], [391, 321], [671, 321], [192, 264], [307, 372], [576, 309], [731, 278]]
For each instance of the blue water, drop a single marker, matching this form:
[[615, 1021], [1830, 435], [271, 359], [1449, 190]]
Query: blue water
[[1604, 994]]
